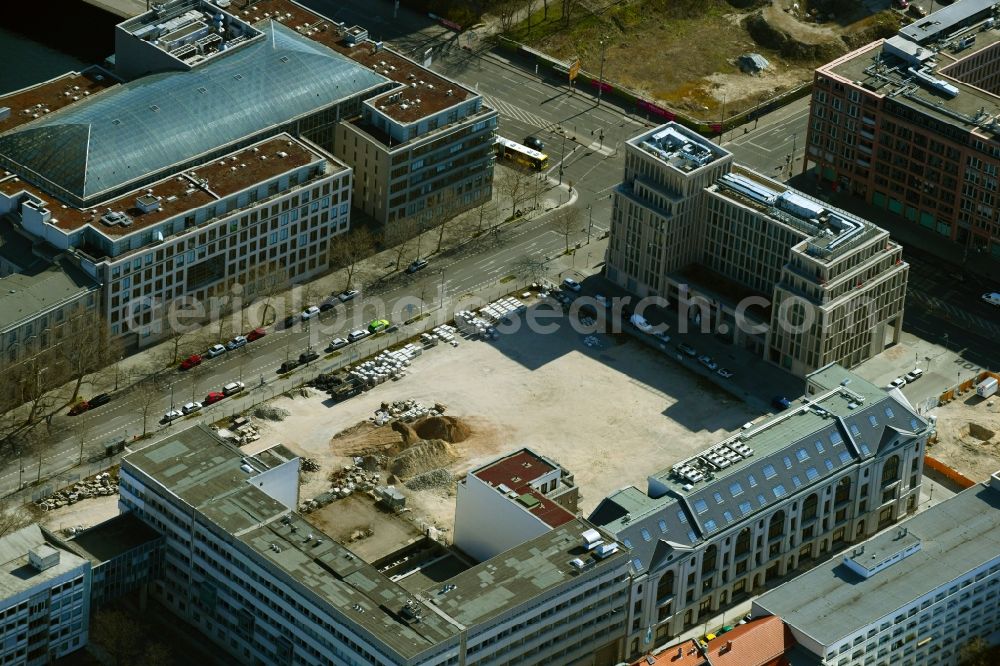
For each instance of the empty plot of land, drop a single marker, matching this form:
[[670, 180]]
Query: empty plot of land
[[611, 415], [968, 436]]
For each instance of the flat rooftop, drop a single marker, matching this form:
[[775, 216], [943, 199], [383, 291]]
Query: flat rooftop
[[830, 602], [435, 92], [678, 147], [112, 538], [17, 575], [40, 286], [205, 472], [887, 76], [41, 99], [828, 232], [515, 474], [947, 19], [518, 575], [188, 190]]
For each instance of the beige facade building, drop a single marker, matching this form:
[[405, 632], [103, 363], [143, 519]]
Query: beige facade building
[[766, 502], [758, 264]]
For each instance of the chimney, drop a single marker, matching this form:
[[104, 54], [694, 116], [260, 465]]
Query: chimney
[[726, 648]]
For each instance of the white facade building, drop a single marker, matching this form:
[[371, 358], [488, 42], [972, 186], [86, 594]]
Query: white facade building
[[511, 500], [911, 596], [44, 610]]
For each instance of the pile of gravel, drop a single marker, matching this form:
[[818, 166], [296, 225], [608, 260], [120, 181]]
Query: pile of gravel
[[435, 478], [269, 413]]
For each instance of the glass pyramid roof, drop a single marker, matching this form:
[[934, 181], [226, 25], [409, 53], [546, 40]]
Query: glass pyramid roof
[[143, 127]]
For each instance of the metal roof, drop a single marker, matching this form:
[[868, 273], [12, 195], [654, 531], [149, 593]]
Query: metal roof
[[794, 451], [831, 602], [946, 19], [139, 129]]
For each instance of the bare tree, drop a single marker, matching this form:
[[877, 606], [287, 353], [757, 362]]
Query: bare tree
[[14, 517], [269, 282], [86, 347], [566, 222], [506, 11], [513, 183], [347, 250], [119, 634], [532, 267], [567, 6], [400, 235], [449, 214], [147, 394]]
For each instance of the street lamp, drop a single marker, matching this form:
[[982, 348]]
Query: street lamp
[[600, 85]]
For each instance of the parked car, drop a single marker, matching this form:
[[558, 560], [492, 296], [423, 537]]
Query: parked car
[[571, 284], [725, 373], [288, 366], [900, 4], [236, 343], [213, 397], [780, 402], [171, 415], [307, 357], [416, 265], [336, 344], [707, 361], [898, 382], [215, 350], [190, 408], [687, 349], [640, 323], [79, 408], [233, 387], [256, 334], [310, 312], [348, 295], [190, 362], [290, 321], [326, 305], [993, 298], [918, 11], [913, 375], [98, 400], [354, 336], [376, 325], [662, 337], [534, 143]]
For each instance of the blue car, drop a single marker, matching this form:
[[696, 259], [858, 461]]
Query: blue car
[[780, 402]]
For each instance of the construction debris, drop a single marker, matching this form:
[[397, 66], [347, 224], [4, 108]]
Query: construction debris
[[431, 480], [270, 413], [310, 465], [404, 410], [101, 485]]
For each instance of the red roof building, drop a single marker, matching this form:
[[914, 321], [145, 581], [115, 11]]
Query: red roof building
[[761, 642]]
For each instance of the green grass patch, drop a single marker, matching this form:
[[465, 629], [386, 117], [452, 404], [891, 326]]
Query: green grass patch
[[507, 278], [414, 320]]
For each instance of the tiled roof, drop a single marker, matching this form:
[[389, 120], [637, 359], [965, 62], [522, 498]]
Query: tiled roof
[[761, 642]]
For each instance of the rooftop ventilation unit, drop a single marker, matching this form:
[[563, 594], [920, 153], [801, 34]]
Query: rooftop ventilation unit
[[577, 563], [605, 550], [591, 538]]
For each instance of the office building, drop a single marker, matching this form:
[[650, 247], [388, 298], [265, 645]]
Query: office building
[[212, 162], [760, 265], [512, 500], [265, 585], [911, 596], [125, 555], [45, 598], [910, 124], [774, 498]]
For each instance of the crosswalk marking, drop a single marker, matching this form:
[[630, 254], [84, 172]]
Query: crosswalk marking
[[516, 112], [956, 314]]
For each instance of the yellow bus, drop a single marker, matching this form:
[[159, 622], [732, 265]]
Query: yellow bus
[[511, 150]]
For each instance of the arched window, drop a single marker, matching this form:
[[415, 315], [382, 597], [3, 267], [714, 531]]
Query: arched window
[[665, 587], [809, 507], [708, 560], [890, 471], [743, 542], [777, 525], [843, 490]]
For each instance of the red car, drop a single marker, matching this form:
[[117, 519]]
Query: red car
[[213, 397], [256, 334], [190, 362], [79, 408]]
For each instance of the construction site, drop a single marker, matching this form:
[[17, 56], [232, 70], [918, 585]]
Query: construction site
[[968, 434]]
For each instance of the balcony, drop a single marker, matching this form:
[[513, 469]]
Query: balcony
[[868, 120], [866, 134], [865, 149], [863, 162]]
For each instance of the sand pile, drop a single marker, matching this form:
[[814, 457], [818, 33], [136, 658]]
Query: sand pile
[[448, 428], [409, 435], [422, 457]]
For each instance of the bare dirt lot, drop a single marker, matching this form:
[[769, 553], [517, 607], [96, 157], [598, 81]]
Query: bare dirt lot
[[685, 53], [85, 513], [968, 431], [611, 415]]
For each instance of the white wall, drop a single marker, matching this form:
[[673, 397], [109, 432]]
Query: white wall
[[281, 483], [487, 523]]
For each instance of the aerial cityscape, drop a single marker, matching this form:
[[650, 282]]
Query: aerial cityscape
[[500, 332]]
